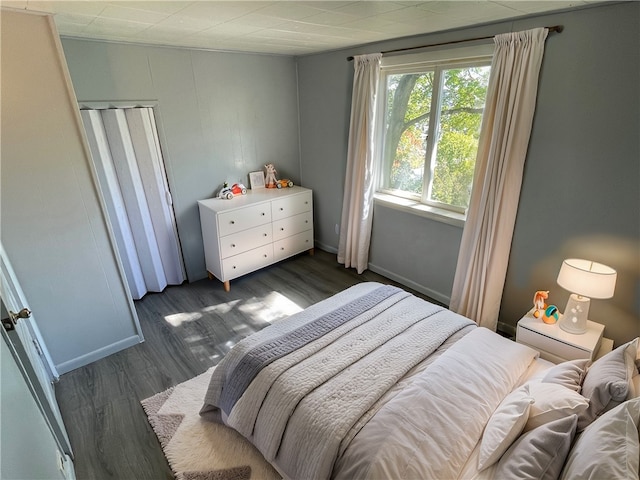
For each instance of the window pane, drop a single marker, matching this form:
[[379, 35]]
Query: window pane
[[407, 125], [461, 105]]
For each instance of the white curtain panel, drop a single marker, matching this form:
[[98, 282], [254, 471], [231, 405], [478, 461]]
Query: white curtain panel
[[506, 128], [126, 152], [357, 205]]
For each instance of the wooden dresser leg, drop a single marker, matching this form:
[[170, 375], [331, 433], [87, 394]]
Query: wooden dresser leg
[[227, 286], [311, 251], [210, 275]]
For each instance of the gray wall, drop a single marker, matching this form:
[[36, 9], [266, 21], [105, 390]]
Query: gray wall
[[223, 115], [220, 117], [580, 193], [53, 226]]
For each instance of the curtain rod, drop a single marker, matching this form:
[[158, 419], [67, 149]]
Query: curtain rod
[[555, 28]]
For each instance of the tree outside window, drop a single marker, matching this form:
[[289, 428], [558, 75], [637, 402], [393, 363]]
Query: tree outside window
[[431, 129]]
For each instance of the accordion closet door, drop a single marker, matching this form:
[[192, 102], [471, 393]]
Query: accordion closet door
[[126, 152]]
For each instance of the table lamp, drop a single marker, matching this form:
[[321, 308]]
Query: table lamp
[[585, 280]]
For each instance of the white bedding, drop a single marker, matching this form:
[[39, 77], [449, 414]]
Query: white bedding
[[470, 471], [426, 423], [430, 429]]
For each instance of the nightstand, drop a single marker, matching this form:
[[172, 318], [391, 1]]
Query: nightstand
[[556, 345]]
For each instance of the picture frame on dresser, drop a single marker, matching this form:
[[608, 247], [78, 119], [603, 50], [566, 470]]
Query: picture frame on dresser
[[256, 179]]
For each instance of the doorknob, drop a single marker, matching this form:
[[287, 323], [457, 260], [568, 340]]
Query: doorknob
[[10, 323], [24, 313]]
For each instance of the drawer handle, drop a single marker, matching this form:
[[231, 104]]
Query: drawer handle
[[282, 229], [233, 245], [262, 214], [281, 248], [264, 234], [306, 203], [265, 255], [306, 221], [233, 222], [234, 267], [281, 209]]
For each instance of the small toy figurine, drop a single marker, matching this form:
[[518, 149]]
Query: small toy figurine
[[538, 302], [550, 315], [225, 192], [284, 183], [239, 189], [270, 181], [228, 192]]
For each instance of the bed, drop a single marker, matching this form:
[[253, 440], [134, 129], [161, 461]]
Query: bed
[[377, 383]]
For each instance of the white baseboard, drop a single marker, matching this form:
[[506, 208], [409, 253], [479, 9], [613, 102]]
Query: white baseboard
[[103, 352], [325, 247], [505, 328], [438, 296]]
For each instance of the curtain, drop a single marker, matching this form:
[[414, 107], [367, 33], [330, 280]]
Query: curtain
[[357, 205], [506, 127], [126, 152]]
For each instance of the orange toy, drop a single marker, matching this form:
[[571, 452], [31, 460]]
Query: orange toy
[[538, 302], [550, 315]]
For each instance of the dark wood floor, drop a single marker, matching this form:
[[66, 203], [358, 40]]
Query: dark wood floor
[[187, 329]]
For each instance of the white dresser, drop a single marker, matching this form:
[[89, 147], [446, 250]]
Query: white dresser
[[252, 231]]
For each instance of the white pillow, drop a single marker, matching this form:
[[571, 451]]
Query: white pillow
[[635, 381], [540, 453], [630, 358], [504, 426], [569, 374], [609, 381], [553, 401], [609, 447], [632, 369]]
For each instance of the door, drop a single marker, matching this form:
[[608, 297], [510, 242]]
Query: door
[[126, 153], [25, 342], [30, 449]]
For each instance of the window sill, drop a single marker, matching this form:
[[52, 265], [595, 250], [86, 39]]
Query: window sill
[[416, 208]]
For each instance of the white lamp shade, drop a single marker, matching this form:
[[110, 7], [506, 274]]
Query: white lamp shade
[[587, 278]]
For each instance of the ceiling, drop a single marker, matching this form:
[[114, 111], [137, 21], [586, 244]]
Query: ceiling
[[274, 27]]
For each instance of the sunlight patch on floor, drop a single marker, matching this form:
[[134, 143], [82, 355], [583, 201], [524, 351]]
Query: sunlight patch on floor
[[178, 319], [222, 307], [271, 308]]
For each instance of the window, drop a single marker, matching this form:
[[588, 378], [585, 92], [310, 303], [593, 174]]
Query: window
[[431, 114]]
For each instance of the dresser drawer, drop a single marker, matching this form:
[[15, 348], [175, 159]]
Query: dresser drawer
[[291, 205], [292, 225], [246, 240], [291, 245], [547, 344], [241, 219], [246, 262]]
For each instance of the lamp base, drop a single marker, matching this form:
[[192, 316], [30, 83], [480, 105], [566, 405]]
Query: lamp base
[[574, 319]]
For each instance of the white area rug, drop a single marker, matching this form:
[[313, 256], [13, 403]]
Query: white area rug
[[195, 448]]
